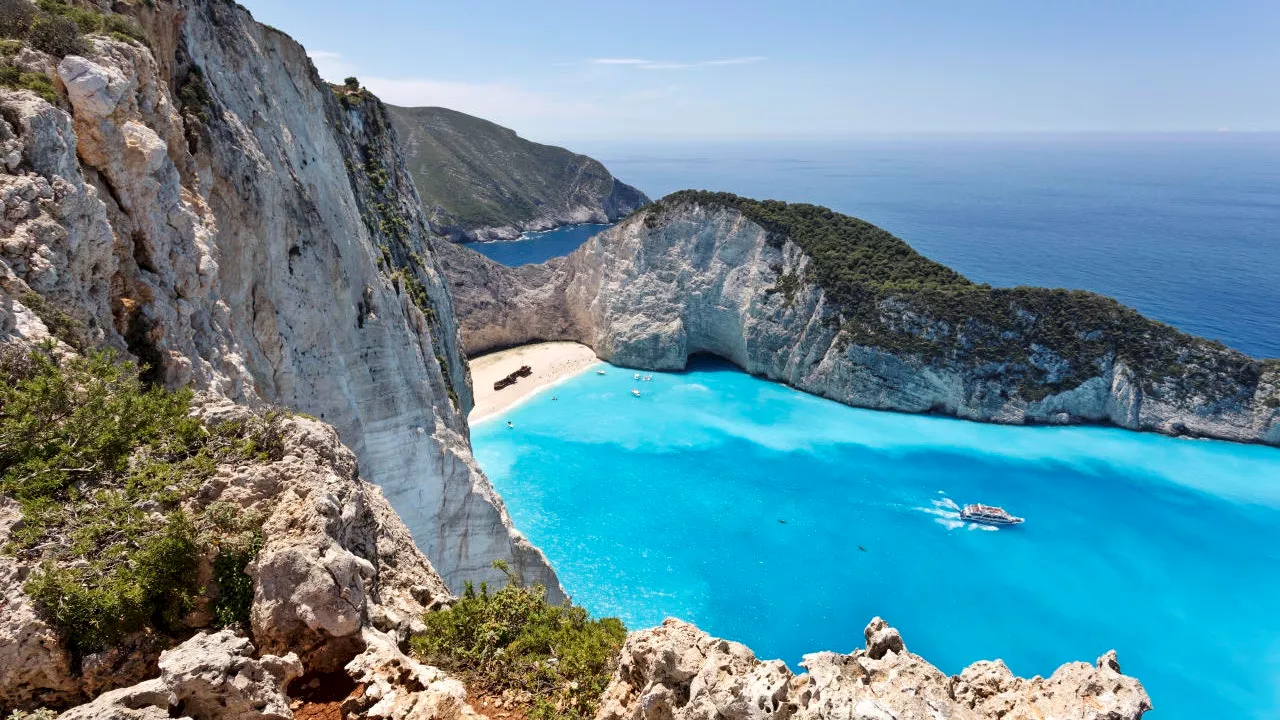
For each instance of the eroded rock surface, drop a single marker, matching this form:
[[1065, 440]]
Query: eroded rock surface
[[686, 277], [209, 677], [213, 210], [677, 672]]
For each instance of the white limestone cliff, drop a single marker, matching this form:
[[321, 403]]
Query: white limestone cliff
[[214, 210], [666, 284]]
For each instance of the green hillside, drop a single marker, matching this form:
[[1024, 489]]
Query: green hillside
[[473, 174]]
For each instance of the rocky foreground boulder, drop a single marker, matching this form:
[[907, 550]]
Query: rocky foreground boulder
[[677, 672]]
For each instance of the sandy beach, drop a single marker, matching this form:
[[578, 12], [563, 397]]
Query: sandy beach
[[551, 362]]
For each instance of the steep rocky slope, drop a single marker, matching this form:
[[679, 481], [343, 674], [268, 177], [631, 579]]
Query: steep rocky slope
[[677, 672], [481, 181], [213, 208], [837, 307], [332, 573]]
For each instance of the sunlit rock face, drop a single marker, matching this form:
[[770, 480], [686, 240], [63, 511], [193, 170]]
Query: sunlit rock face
[[216, 211], [681, 278]]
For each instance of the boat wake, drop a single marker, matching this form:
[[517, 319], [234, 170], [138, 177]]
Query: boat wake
[[947, 514]]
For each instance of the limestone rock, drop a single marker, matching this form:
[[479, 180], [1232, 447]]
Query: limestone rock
[[397, 687], [670, 282], [243, 247], [210, 677], [677, 672]]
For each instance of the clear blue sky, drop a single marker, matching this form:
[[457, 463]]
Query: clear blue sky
[[570, 69]]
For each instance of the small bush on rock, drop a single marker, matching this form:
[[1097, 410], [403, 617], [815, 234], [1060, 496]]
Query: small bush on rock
[[514, 640], [100, 464], [57, 36]]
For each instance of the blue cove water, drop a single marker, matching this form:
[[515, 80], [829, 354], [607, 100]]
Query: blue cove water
[[786, 521], [537, 247]]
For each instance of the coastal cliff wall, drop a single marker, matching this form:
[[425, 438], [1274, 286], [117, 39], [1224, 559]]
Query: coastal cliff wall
[[696, 274], [212, 208]]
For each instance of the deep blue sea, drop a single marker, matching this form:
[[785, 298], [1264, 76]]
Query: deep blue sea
[[1184, 228], [536, 247], [787, 522]]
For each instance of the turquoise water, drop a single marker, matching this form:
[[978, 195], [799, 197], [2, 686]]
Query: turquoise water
[[786, 521]]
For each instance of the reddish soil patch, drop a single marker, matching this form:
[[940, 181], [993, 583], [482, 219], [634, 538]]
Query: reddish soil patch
[[319, 696], [487, 705]]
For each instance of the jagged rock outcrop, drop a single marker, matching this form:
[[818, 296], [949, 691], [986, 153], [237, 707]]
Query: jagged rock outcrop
[[212, 209], [397, 687], [335, 566], [870, 324], [481, 181], [209, 677], [677, 672]]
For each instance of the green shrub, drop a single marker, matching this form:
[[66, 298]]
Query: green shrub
[[515, 640], [58, 27], [238, 538], [883, 294], [39, 83], [100, 465], [57, 36], [193, 94], [16, 17]]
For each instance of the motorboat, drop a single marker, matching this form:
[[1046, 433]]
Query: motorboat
[[635, 392], [636, 376], [988, 515], [599, 372]]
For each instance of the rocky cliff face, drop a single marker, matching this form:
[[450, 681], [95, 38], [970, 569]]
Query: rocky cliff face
[[337, 574], [481, 181], [695, 275], [213, 210], [679, 672]]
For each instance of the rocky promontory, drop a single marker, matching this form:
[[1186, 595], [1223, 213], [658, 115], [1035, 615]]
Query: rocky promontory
[[678, 672], [840, 308], [480, 181]]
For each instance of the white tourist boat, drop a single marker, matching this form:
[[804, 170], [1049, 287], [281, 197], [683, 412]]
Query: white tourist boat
[[988, 515], [635, 392]]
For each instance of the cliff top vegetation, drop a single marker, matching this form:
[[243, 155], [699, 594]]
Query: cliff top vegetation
[[887, 295], [100, 464]]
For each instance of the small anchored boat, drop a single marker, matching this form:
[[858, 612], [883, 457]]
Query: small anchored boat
[[635, 392], [636, 376], [599, 372], [988, 515]]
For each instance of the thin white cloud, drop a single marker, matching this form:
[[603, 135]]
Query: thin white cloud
[[643, 64], [736, 61]]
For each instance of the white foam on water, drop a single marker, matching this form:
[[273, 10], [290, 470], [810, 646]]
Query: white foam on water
[[950, 524], [984, 528]]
